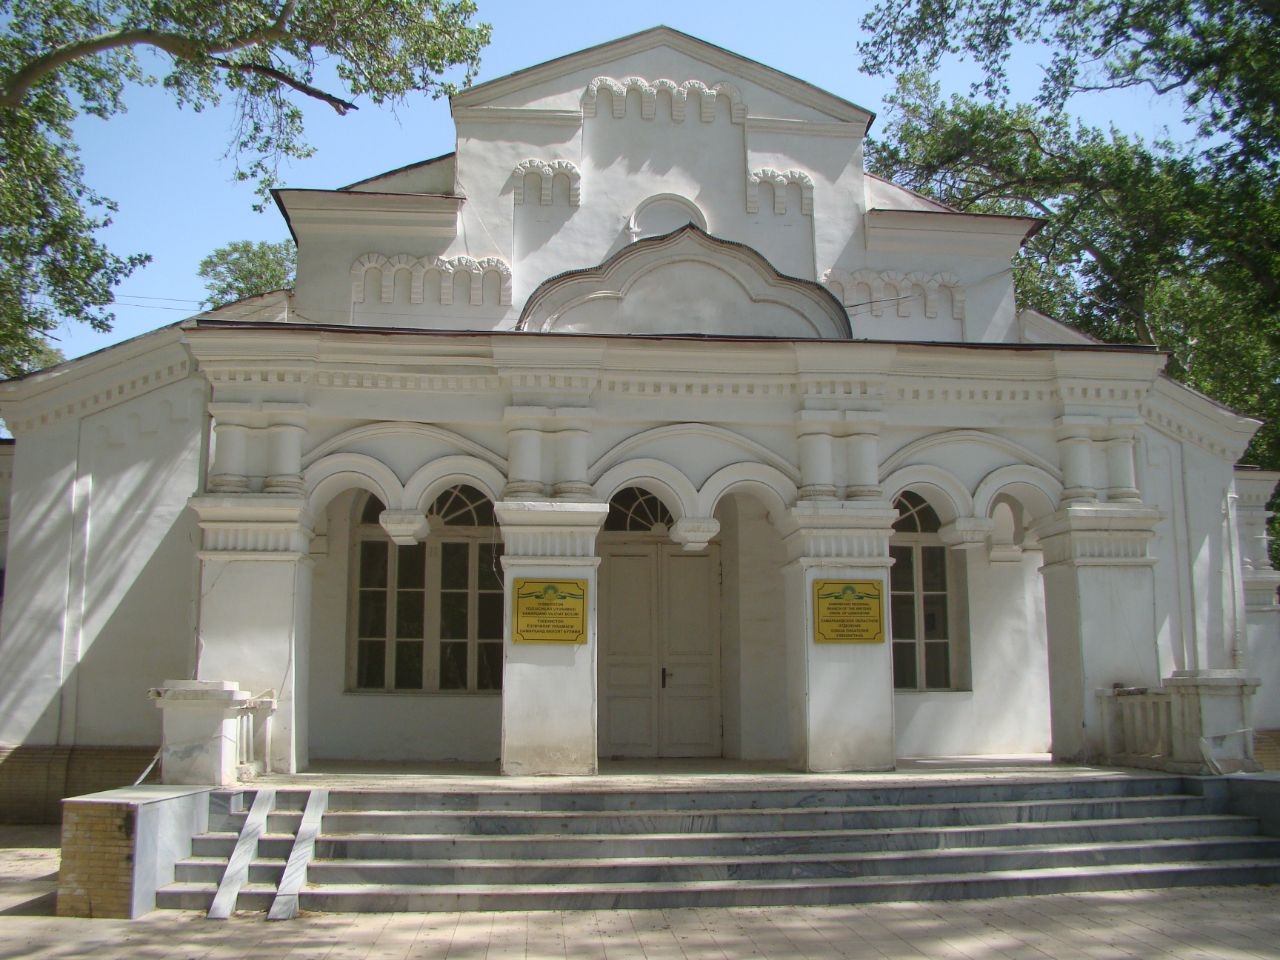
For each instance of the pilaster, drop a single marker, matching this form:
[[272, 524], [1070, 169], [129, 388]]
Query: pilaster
[[549, 688], [841, 694]]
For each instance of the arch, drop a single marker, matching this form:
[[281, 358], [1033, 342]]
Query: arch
[[547, 171], [402, 429], [336, 473], [1015, 451], [358, 269], [780, 179], [779, 491], [656, 476], [954, 502], [756, 451], [1037, 491], [696, 215], [679, 96], [436, 476]]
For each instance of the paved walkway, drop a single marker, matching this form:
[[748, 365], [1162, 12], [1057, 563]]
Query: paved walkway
[[1190, 924]]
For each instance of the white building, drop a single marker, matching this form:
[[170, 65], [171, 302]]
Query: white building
[[651, 338]]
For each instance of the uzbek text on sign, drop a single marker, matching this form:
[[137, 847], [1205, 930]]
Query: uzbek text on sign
[[549, 611], [848, 611]]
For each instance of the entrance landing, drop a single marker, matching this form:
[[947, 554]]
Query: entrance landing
[[668, 774]]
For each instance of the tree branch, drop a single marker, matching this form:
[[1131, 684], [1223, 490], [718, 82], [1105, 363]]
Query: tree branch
[[342, 107], [175, 44]]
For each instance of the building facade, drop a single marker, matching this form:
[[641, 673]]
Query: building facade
[[646, 424]]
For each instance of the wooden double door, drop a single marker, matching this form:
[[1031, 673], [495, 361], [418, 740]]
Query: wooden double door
[[659, 657]]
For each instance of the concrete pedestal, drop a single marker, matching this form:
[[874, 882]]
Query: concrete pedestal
[[199, 730], [1210, 719]]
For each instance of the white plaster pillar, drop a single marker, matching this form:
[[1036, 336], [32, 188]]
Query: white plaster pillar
[[229, 470], [571, 438], [840, 695], [549, 689], [1100, 611], [1261, 582], [817, 461], [863, 449], [524, 452], [286, 431], [199, 730], [1122, 483], [1075, 452], [255, 607]]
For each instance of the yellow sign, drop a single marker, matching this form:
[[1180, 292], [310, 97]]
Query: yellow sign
[[848, 611], [549, 611]]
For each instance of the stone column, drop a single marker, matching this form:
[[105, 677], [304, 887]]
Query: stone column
[[1261, 583], [1099, 606], [1075, 451], [255, 607], [286, 430], [817, 461], [1122, 483], [549, 689], [863, 445], [524, 452], [571, 438], [229, 471], [840, 694]]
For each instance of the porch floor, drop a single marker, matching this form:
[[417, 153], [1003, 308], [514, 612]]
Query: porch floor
[[674, 774]]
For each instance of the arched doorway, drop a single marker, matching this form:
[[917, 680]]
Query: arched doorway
[[659, 630]]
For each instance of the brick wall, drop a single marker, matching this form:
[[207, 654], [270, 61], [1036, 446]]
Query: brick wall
[[34, 780], [96, 876]]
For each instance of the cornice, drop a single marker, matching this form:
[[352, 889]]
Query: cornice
[[942, 231], [510, 115], [414, 215], [1184, 415], [99, 381]]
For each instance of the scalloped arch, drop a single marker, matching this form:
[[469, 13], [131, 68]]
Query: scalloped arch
[[418, 268], [1037, 491], [780, 179], [547, 171], [658, 477], [756, 479], [758, 452], [679, 97], [404, 429], [436, 476], [955, 501], [336, 473], [1017, 451]]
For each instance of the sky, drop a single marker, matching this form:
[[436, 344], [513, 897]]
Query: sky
[[178, 201]]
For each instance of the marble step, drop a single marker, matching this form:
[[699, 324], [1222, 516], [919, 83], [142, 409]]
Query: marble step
[[391, 898], [210, 869], [756, 820], [398, 846], [734, 798], [784, 867], [198, 895], [221, 844]]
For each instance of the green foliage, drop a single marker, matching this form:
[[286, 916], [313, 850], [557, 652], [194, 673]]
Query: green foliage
[[245, 269], [63, 58]]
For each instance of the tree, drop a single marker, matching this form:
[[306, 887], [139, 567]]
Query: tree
[[245, 269], [60, 59]]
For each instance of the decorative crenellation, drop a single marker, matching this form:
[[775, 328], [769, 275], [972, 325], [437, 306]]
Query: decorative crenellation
[[419, 267], [891, 286], [547, 170], [780, 179], [679, 97]]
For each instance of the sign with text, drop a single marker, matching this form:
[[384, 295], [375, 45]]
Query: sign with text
[[549, 611], [848, 611]]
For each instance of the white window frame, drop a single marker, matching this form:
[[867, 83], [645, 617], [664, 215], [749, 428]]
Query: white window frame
[[917, 542]]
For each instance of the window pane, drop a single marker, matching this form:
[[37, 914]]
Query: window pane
[[410, 615], [903, 610], [901, 576], [372, 618], [373, 564], [411, 566], [453, 616], [453, 566], [409, 665], [490, 611], [937, 666], [453, 666], [904, 666], [371, 665], [934, 568], [935, 616], [489, 666], [372, 510], [490, 568]]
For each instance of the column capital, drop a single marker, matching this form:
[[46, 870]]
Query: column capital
[[1098, 534], [262, 526], [550, 528], [966, 533], [404, 527], [694, 533], [839, 532]]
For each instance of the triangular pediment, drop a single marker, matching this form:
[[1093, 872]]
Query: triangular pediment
[[661, 56], [685, 283]]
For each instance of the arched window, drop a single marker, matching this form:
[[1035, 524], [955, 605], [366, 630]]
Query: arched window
[[922, 636], [428, 617], [634, 510]]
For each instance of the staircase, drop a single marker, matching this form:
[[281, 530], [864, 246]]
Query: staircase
[[597, 849]]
